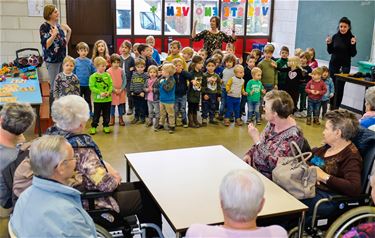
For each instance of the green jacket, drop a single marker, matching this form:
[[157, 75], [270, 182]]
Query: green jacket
[[256, 87], [101, 83], [282, 63], [269, 73], [194, 92]]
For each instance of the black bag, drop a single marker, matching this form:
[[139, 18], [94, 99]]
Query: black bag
[[28, 57]]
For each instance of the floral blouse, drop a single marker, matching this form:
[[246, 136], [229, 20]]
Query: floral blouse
[[213, 41], [272, 146], [57, 51]]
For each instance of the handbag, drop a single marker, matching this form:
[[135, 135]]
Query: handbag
[[294, 175], [30, 58]]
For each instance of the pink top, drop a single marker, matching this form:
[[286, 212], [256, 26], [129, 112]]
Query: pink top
[[117, 83], [201, 230], [150, 84], [313, 64]]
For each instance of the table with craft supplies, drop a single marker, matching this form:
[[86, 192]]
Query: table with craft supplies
[[185, 184]]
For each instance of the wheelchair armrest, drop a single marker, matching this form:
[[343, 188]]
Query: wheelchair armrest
[[95, 194], [341, 198]]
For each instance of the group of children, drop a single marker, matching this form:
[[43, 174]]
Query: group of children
[[219, 83]]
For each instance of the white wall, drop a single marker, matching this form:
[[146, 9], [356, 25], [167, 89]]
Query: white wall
[[18, 30]]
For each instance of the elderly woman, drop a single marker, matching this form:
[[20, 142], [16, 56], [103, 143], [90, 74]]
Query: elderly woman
[[49, 197], [241, 199], [70, 114], [338, 162], [274, 142], [54, 41], [213, 38], [368, 119], [15, 119]]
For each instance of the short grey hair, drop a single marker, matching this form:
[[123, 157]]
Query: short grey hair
[[241, 195], [69, 112], [46, 153], [17, 117], [370, 97]]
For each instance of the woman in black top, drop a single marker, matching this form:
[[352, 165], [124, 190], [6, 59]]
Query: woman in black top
[[341, 47]]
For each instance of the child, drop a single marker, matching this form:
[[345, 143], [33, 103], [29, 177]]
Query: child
[[211, 92], [101, 87], [330, 90], [167, 88], [297, 52], [66, 83], [257, 55], [187, 54], [83, 69], [194, 91], [228, 72], [204, 54], [145, 53], [219, 66], [175, 48], [231, 49], [151, 89], [254, 89], [235, 88], [182, 79], [250, 64], [101, 49], [150, 40], [268, 67], [282, 63], [135, 54], [315, 90], [312, 63], [128, 66], [137, 83], [306, 70], [118, 95]]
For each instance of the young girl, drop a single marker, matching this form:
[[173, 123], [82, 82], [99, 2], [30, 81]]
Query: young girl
[[257, 55], [194, 91], [228, 72], [128, 66], [151, 89], [312, 63], [66, 83], [330, 90], [306, 71], [118, 92], [135, 54], [101, 49], [203, 53]]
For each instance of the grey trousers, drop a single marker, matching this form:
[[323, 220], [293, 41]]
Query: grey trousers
[[53, 70]]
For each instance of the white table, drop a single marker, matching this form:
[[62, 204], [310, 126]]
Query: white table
[[185, 185]]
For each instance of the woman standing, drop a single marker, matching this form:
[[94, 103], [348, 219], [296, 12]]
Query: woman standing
[[213, 38], [341, 47], [54, 42]]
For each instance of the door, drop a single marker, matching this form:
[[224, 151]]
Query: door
[[90, 20]]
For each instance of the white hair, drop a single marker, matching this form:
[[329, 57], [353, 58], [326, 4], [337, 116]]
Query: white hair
[[45, 154], [69, 112], [370, 97], [241, 195], [150, 38]]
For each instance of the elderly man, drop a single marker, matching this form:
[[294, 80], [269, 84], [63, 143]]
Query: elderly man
[[241, 198], [50, 208], [15, 119]]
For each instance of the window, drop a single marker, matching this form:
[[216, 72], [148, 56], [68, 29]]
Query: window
[[203, 11], [258, 18], [177, 17], [147, 17], [233, 12], [123, 17]]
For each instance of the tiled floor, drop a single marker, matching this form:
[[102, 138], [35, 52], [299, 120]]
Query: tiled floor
[[138, 138]]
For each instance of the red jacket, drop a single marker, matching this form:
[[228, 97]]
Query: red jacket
[[317, 86]]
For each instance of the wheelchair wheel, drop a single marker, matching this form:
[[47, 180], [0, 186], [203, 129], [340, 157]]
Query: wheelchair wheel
[[101, 232], [349, 219]]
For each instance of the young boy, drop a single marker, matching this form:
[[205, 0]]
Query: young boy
[[151, 89], [254, 89], [137, 83], [83, 69], [330, 90], [234, 88], [145, 53], [211, 92], [167, 88], [187, 54], [150, 40], [282, 63], [306, 71], [257, 55], [182, 79], [66, 83], [315, 90], [174, 50], [128, 65], [268, 67], [101, 87], [250, 64]]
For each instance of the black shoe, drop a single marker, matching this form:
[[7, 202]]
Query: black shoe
[[171, 130], [231, 120], [159, 127], [213, 122]]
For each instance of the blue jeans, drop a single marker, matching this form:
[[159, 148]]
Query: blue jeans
[[313, 107], [209, 106], [223, 101], [153, 110], [233, 104], [253, 108], [180, 106], [121, 109]]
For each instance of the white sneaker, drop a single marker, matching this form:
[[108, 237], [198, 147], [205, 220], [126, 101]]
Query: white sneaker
[[297, 114]]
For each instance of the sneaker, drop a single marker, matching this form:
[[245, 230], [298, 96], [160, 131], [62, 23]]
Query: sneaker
[[148, 122], [204, 122], [297, 114], [142, 121], [220, 118], [231, 120], [303, 114], [259, 123], [243, 113], [171, 130], [158, 127], [106, 130], [130, 112], [226, 122], [92, 130], [184, 124], [213, 122], [248, 121], [239, 122], [134, 121], [308, 121]]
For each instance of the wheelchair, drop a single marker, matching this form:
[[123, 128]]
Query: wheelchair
[[350, 211]]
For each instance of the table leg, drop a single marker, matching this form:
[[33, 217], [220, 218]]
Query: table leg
[[37, 109], [178, 234], [301, 225], [127, 170]]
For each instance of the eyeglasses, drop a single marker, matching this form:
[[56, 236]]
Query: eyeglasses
[[66, 160]]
